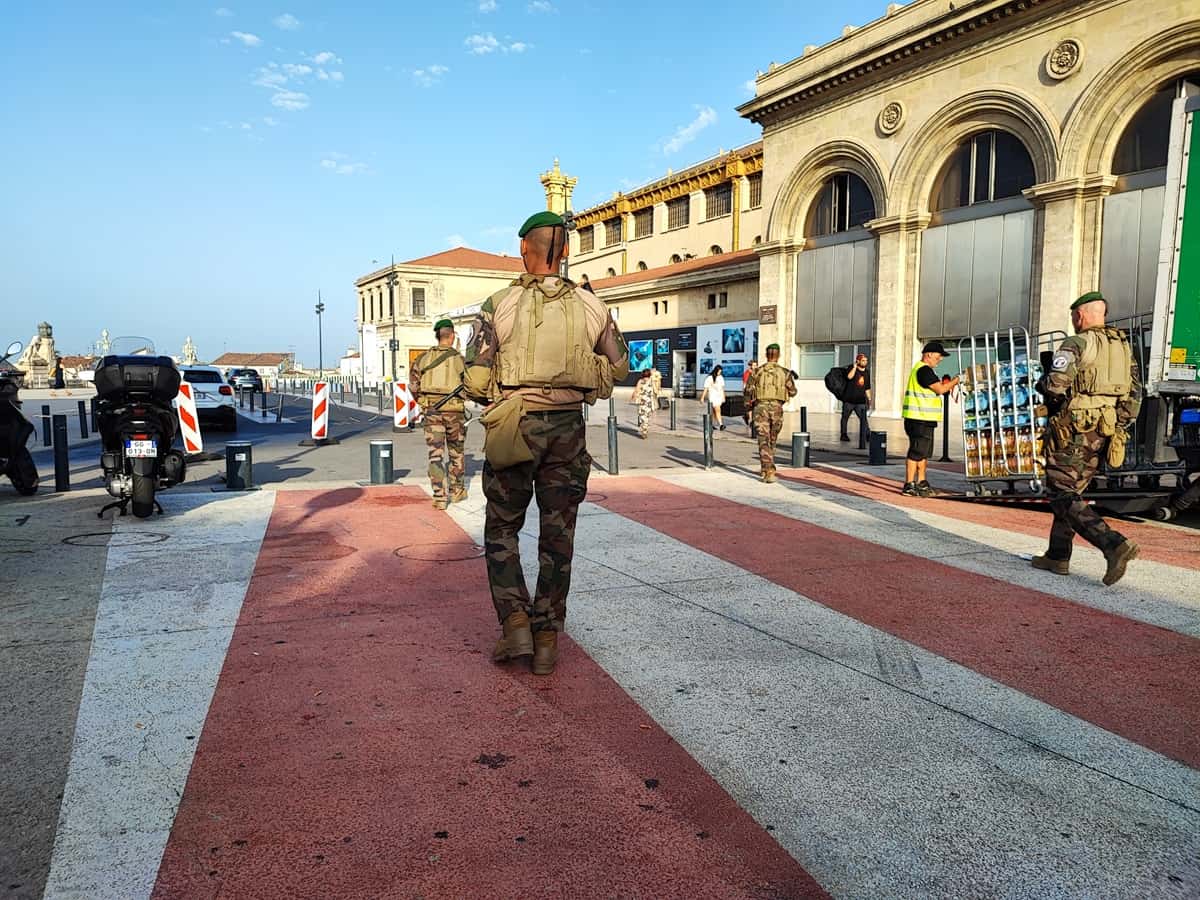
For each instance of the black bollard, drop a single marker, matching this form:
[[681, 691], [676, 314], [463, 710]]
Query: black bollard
[[877, 454], [673, 412], [62, 463], [360, 403], [251, 399], [279, 410], [95, 414], [945, 429], [613, 463], [239, 466], [83, 432], [804, 419], [800, 447], [381, 462], [45, 425], [707, 425], [379, 396], [264, 403]]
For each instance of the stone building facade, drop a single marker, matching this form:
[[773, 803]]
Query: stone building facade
[[403, 300], [708, 209], [952, 168]]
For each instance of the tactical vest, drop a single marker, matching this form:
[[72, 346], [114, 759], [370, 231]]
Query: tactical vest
[[549, 345], [920, 403], [443, 375], [1102, 372], [770, 383]]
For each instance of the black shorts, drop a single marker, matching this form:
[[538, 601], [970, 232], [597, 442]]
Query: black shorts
[[920, 438]]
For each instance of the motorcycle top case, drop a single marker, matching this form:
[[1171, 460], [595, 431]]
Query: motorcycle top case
[[145, 376]]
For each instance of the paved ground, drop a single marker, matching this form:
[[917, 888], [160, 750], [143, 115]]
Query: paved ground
[[815, 688]]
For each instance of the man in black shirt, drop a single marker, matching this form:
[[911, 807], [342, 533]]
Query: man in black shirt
[[857, 399]]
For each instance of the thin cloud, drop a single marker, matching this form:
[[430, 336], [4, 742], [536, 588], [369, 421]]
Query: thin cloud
[[247, 39], [480, 44], [751, 86], [517, 47], [456, 240], [333, 162], [223, 12], [292, 101], [685, 134], [541, 6], [325, 57], [286, 22], [330, 76], [269, 122], [430, 75], [487, 6]]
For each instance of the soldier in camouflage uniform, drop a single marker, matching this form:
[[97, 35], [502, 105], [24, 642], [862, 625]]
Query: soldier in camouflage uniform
[[436, 373], [767, 390], [544, 346], [1096, 390]]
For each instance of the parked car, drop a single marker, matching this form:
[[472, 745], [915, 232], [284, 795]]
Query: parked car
[[245, 380], [214, 396]]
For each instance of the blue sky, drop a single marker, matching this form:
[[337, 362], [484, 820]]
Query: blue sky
[[174, 169]]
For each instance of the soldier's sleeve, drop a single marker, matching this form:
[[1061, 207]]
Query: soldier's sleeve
[[1061, 376], [481, 354], [414, 376], [611, 344]]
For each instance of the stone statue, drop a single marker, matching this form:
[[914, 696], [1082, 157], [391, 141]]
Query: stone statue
[[189, 352], [105, 344], [39, 356]]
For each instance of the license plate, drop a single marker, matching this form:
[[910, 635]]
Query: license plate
[[140, 449], [200, 395]]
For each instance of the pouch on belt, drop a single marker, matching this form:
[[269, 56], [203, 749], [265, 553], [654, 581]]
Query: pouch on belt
[[503, 444]]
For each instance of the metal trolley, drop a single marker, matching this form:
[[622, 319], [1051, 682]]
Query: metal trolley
[[1002, 431]]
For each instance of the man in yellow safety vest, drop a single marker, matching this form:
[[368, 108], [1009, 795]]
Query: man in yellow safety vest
[[922, 410]]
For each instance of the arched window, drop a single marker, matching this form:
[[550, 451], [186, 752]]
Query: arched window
[[642, 267], [844, 202], [1143, 144], [715, 250], [610, 273], [992, 165], [676, 258]]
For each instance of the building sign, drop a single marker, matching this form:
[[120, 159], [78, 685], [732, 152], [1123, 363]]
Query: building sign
[[768, 315], [730, 345], [685, 340]]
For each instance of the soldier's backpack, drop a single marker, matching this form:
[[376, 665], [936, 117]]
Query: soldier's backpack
[[444, 373], [549, 346], [836, 382]]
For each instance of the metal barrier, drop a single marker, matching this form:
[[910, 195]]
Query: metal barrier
[[83, 423], [800, 448], [613, 464], [877, 454], [239, 466], [62, 463], [381, 462]]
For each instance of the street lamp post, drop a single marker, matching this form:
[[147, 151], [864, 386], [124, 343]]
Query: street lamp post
[[393, 344], [320, 338]]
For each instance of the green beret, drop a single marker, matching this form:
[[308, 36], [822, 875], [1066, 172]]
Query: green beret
[[440, 324], [543, 219], [1089, 297], [771, 347]]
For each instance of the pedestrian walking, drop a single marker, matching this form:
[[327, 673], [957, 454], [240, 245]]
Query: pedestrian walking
[[643, 393], [857, 398], [1095, 390], [746, 417], [767, 390], [436, 374], [714, 394], [58, 379], [535, 441], [922, 410]]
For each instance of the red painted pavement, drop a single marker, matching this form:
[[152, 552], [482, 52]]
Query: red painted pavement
[[362, 744], [1165, 544], [1134, 679]]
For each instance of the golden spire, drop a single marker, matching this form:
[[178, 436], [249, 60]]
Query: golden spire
[[559, 188]]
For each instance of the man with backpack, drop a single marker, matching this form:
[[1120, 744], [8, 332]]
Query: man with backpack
[[856, 398], [767, 390], [436, 374]]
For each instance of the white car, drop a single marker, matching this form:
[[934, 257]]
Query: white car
[[215, 404]]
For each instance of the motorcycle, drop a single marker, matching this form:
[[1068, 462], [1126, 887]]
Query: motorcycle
[[15, 430], [134, 390]]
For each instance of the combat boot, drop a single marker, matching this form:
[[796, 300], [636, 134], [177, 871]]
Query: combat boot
[[1050, 564], [458, 495], [769, 478], [1118, 558], [440, 503], [517, 640], [545, 651]]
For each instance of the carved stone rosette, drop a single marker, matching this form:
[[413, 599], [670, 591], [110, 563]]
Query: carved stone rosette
[[1064, 60], [891, 118]]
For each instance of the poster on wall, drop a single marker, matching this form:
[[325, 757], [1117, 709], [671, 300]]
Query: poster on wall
[[640, 355], [730, 345], [663, 346], [372, 369]]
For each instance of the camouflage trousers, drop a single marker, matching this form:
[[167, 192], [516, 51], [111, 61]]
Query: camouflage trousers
[[558, 476], [445, 433], [768, 420], [1072, 461]]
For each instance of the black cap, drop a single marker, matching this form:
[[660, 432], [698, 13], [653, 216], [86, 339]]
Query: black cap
[[935, 347]]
